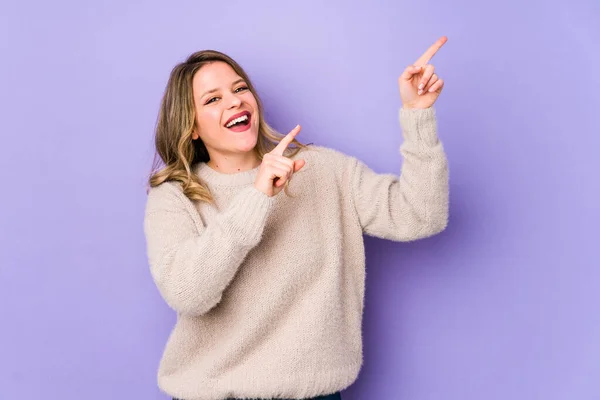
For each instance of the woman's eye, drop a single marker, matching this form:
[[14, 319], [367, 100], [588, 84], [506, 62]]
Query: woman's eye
[[211, 100], [241, 88]]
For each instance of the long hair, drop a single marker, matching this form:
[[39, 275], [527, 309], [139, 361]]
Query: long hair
[[176, 151]]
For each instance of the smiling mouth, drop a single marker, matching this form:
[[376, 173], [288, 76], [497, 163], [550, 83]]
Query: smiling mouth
[[240, 121]]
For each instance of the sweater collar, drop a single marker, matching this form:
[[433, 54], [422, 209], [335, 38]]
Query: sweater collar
[[216, 178]]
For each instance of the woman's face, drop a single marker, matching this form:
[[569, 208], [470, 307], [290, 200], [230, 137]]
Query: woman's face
[[226, 111]]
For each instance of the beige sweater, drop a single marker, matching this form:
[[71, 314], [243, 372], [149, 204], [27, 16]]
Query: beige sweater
[[269, 291]]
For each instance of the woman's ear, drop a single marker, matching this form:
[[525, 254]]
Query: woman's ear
[[195, 135]]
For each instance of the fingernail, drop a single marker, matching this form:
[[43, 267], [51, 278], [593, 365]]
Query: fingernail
[[421, 85], [420, 91], [431, 89]]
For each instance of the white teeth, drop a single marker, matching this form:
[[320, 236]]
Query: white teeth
[[235, 121]]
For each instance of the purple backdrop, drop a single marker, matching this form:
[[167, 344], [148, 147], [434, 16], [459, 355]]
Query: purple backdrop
[[502, 305]]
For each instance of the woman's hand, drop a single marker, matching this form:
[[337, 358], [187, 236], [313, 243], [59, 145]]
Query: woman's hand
[[419, 85], [276, 169]]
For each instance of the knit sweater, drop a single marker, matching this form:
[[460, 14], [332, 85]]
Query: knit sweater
[[269, 291]]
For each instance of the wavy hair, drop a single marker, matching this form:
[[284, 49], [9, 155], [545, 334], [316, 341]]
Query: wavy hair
[[176, 151]]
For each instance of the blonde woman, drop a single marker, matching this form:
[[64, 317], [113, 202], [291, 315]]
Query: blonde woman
[[256, 241]]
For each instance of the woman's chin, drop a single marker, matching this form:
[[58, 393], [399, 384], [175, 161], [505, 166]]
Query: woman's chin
[[247, 145], [244, 141]]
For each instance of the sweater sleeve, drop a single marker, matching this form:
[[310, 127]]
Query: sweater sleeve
[[192, 263], [413, 205]]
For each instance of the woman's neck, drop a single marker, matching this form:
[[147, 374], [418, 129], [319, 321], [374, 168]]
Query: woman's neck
[[233, 164]]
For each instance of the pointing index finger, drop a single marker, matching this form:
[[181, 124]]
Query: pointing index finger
[[428, 55], [285, 142]]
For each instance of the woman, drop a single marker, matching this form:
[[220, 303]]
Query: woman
[[268, 286]]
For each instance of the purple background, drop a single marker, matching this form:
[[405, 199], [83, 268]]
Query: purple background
[[502, 305]]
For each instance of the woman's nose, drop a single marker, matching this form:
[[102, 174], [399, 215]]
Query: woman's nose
[[233, 101]]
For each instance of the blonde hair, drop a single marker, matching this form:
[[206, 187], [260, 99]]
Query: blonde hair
[[176, 151]]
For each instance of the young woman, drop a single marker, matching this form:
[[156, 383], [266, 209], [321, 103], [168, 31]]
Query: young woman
[[256, 241]]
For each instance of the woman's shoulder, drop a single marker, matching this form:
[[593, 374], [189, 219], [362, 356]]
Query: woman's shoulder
[[164, 196], [324, 156], [167, 188], [326, 165]]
